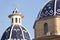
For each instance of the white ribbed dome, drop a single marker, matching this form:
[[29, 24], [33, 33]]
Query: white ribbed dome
[[52, 8]]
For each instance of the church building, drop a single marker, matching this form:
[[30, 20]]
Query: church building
[[47, 24], [16, 31]]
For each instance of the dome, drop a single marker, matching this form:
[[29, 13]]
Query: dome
[[16, 32], [52, 8]]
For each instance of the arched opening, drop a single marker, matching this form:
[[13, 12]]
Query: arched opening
[[12, 20], [19, 20], [45, 28], [16, 20]]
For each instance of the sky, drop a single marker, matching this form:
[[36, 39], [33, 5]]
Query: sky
[[29, 8]]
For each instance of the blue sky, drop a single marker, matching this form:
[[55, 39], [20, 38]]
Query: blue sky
[[29, 8]]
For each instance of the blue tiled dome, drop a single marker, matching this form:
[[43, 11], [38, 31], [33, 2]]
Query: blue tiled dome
[[16, 32], [51, 8]]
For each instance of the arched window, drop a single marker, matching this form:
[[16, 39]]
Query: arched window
[[16, 20], [45, 28], [12, 20]]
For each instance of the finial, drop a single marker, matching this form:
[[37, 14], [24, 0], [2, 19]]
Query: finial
[[15, 9]]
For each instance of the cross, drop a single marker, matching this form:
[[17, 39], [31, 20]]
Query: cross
[[17, 5]]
